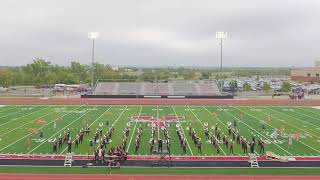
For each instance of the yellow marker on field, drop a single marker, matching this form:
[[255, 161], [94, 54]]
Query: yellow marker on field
[[40, 121], [108, 113], [214, 115], [269, 119], [27, 143], [297, 136], [33, 130], [241, 115]]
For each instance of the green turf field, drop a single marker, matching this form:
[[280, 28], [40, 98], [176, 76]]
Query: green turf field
[[18, 126]]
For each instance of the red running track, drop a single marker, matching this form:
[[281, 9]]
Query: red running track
[[113, 101], [143, 177]]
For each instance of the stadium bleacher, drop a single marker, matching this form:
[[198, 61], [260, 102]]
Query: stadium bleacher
[[129, 88], [104, 88], [156, 88], [208, 88], [185, 88], [191, 89]]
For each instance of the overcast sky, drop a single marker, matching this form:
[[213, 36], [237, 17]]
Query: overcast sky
[[161, 32]]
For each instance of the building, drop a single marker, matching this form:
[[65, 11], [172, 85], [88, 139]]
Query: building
[[308, 74], [114, 68]]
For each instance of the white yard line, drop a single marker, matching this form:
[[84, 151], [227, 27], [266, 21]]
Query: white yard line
[[293, 125], [182, 130], [65, 127], [8, 109], [159, 136], [294, 117], [134, 130], [313, 112], [89, 126], [119, 116], [23, 116], [11, 114], [39, 128], [257, 131], [122, 112], [219, 120], [29, 122], [276, 128], [203, 126]]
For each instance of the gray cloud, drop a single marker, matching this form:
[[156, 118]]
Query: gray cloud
[[166, 32]]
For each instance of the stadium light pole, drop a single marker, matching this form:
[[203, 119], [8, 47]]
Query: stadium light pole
[[93, 36], [221, 36]]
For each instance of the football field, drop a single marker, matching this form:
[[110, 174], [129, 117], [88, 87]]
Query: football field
[[20, 127]]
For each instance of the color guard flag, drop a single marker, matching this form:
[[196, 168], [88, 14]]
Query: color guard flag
[[33, 130]]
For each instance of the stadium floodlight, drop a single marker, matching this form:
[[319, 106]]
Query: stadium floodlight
[[93, 36], [221, 35]]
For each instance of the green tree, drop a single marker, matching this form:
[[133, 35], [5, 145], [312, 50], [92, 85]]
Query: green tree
[[148, 76], [286, 86], [189, 75], [247, 87], [205, 75], [233, 85], [81, 71], [37, 71], [6, 77], [266, 87]]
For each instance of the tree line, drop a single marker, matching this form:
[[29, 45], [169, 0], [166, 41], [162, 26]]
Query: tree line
[[41, 72]]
